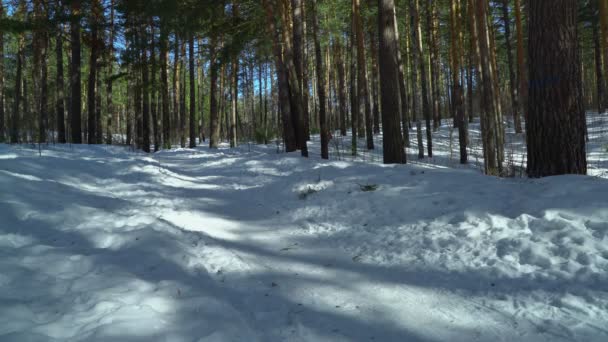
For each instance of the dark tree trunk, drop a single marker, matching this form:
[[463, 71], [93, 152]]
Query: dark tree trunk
[[145, 88], [214, 120], [512, 81], [192, 95], [389, 84], [320, 84], [18, 84], [341, 86], [75, 83], [92, 83], [599, 72], [289, 134], [426, 109], [2, 129], [556, 123], [164, 86]]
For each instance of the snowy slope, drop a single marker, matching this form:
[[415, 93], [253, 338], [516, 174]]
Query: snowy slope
[[102, 244]]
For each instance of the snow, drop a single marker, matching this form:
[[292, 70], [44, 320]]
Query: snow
[[99, 243]]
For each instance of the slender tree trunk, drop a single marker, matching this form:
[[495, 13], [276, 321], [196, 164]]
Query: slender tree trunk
[[289, 134], [426, 109], [457, 89], [320, 83], [341, 85], [362, 90], [192, 94], [556, 122], [294, 89], [489, 132], [214, 120], [2, 129], [92, 83], [389, 82], [182, 94], [145, 89], [403, 100], [15, 121], [164, 86], [75, 82], [234, 97], [512, 84], [112, 113], [354, 104], [599, 73], [435, 65], [521, 68]]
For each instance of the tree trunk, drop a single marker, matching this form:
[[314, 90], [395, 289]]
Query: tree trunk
[[15, 121], [214, 120], [521, 71], [435, 63], [512, 84], [403, 100], [457, 89], [320, 83], [75, 83], [145, 88], [2, 129], [556, 122], [389, 83], [164, 86], [362, 90], [426, 109], [489, 133], [92, 83], [289, 134], [599, 73], [192, 94]]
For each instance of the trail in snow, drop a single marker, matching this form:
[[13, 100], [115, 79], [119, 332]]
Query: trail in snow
[[98, 244]]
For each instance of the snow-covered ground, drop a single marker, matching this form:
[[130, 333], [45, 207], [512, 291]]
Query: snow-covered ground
[[104, 244]]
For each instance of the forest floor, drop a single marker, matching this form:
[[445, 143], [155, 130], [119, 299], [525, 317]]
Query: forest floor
[[98, 243]]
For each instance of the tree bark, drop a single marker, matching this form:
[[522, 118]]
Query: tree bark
[[192, 94], [320, 83], [164, 86], [426, 109], [389, 82], [556, 122], [2, 129], [75, 77]]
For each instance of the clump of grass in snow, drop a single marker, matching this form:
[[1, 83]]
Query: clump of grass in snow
[[368, 187]]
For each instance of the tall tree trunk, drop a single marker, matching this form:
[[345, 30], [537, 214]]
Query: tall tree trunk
[[556, 122], [341, 84], [389, 84], [403, 100], [512, 84], [75, 83], [294, 89], [521, 68], [435, 63], [112, 115], [145, 88], [489, 132], [153, 90], [289, 134], [164, 86], [320, 83], [234, 98], [182, 94], [92, 83], [192, 95], [599, 72], [457, 89], [2, 129], [176, 90], [214, 120], [15, 121], [426, 109], [354, 104], [362, 89], [40, 72]]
